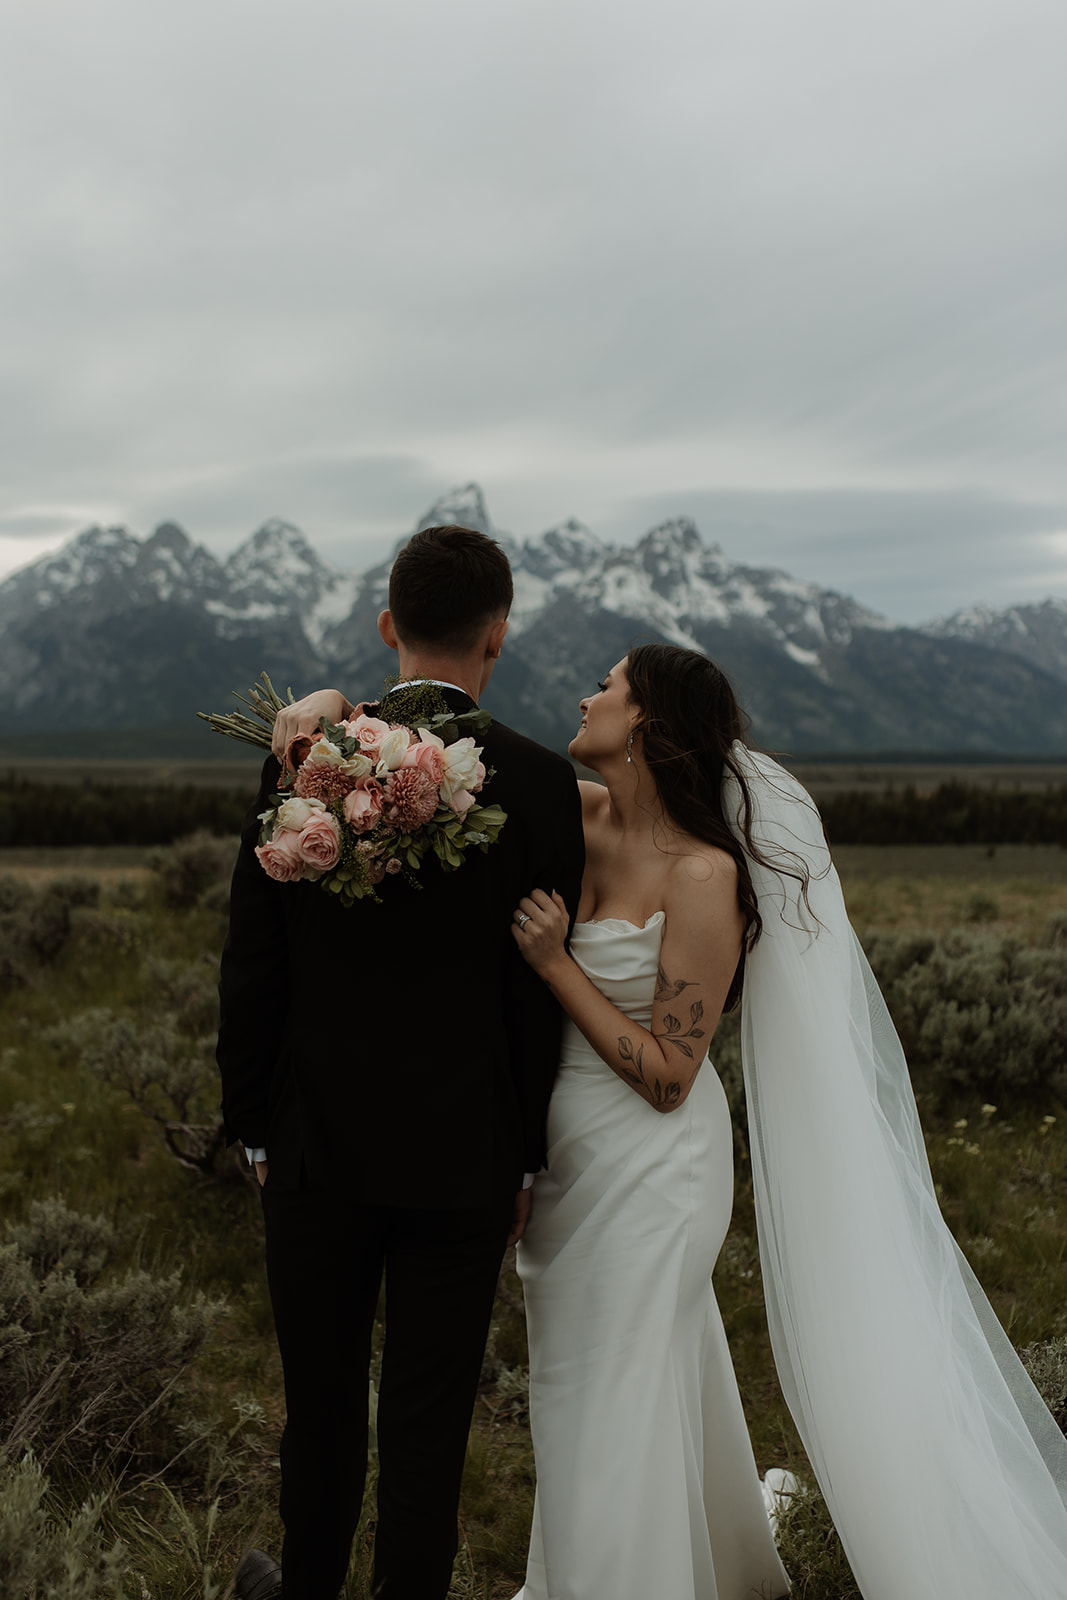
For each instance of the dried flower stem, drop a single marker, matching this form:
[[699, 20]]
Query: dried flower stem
[[263, 701]]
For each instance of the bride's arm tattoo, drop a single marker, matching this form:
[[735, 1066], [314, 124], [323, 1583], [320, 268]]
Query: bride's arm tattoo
[[676, 1037], [668, 990], [657, 1093]]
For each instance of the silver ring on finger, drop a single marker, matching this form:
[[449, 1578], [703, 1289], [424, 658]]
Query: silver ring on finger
[[522, 919]]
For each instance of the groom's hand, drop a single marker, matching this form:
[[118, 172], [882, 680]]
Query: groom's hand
[[521, 1216]]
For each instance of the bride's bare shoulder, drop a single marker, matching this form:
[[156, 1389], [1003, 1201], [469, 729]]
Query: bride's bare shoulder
[[698, 865]]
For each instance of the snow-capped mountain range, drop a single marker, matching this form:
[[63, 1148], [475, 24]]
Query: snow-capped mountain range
[[118, 632]]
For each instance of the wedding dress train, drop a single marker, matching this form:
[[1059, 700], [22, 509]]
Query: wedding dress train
[[646, 1484]]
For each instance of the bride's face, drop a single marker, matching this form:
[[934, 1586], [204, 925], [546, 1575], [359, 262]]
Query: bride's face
[[607, 718]]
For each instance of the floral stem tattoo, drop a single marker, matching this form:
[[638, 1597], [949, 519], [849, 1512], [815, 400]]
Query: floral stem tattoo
[[676, 1037], [659, 1094]]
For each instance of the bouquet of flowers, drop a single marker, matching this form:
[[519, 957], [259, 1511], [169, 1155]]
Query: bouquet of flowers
[[367, 798]]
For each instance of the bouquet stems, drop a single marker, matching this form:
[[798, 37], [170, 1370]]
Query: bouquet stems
[[263, 701]]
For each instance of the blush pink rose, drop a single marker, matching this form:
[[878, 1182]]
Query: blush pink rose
[[370, 731], [461, 801], [478, 779], [363, 804], [427, 759], [319, 842], [280, 857]]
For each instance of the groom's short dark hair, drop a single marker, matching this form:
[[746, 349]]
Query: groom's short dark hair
[[447, 584]]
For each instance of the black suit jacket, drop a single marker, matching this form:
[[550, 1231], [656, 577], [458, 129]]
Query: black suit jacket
[[404, 1050]]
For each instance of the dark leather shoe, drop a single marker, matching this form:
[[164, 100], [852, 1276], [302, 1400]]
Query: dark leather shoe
[[258, 1577]]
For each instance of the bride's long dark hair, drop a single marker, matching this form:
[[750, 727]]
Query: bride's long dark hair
[[690, 721]]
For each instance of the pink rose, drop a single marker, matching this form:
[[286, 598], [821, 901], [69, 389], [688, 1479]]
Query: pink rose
[[370, 731], [363, 804], [427, 759], [461, 801], [319, 842], [479, 778], [280, 857]]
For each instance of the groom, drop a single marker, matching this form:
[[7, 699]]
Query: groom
[[393, 1063]]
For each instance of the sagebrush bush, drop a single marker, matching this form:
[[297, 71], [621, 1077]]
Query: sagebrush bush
[[977, 1013], [48, 1552], [1047, 1365], [199, 865], [90, 1370], [169, 1077], [35, 924]]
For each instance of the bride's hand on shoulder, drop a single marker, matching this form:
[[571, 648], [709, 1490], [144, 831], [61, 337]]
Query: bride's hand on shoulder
[[301, 719], [540, 928]]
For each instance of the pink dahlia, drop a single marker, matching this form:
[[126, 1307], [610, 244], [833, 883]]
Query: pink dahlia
[[317, 781], [412, 798]]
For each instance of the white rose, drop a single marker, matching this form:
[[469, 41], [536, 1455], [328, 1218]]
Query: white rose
[[391, 751], [294, 812], [356, 766], [461, 766], [329, 754]]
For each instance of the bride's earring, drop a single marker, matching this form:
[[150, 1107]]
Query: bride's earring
[[629, 747]]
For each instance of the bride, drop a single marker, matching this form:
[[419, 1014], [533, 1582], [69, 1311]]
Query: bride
[[708, 875], [944, 1472]]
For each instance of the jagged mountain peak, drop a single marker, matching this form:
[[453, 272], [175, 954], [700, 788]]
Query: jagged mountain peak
[[465, 507], [569, 546], [277, 565], [1034, 631], [677, 534], [169, 536]]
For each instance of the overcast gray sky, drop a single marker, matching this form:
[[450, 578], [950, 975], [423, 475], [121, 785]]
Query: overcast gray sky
[[794, 267]]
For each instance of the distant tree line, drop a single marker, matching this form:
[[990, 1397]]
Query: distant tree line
[[953, 813], [100, 813], [108, 813]]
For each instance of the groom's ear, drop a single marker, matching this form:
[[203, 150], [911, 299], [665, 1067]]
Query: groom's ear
[[497, 635], [386, 629]]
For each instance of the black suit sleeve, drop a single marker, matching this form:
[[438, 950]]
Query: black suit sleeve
[[533, 1016], [253, 984]]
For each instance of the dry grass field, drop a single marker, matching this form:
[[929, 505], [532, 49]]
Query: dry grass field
[[141, 960]]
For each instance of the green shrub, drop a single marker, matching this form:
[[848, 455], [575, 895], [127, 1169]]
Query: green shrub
[[194, 867], [171, 1079], [977, 1013], [1047, 1365], [90, 1369], [47, 1553], [35, 924]]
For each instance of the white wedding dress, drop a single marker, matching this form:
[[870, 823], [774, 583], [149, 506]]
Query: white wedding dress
[[943, 1470], [646, 1484]]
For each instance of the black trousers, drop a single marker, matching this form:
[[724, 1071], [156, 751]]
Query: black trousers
[[326, 1256]]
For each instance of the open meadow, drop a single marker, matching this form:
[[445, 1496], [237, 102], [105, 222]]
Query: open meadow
[[139, 1366]]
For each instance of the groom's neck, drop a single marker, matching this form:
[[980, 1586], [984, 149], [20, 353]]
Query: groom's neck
[[464, 672]]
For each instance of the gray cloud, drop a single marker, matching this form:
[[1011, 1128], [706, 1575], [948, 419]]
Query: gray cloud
[[326, 261]]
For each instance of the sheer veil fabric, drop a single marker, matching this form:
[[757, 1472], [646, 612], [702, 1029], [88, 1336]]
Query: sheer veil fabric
[[943, 1470]]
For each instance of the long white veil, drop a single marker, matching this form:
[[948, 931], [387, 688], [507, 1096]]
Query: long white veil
[[943, 1470]]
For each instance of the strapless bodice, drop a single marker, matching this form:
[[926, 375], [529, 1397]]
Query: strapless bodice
[[622, 960]]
